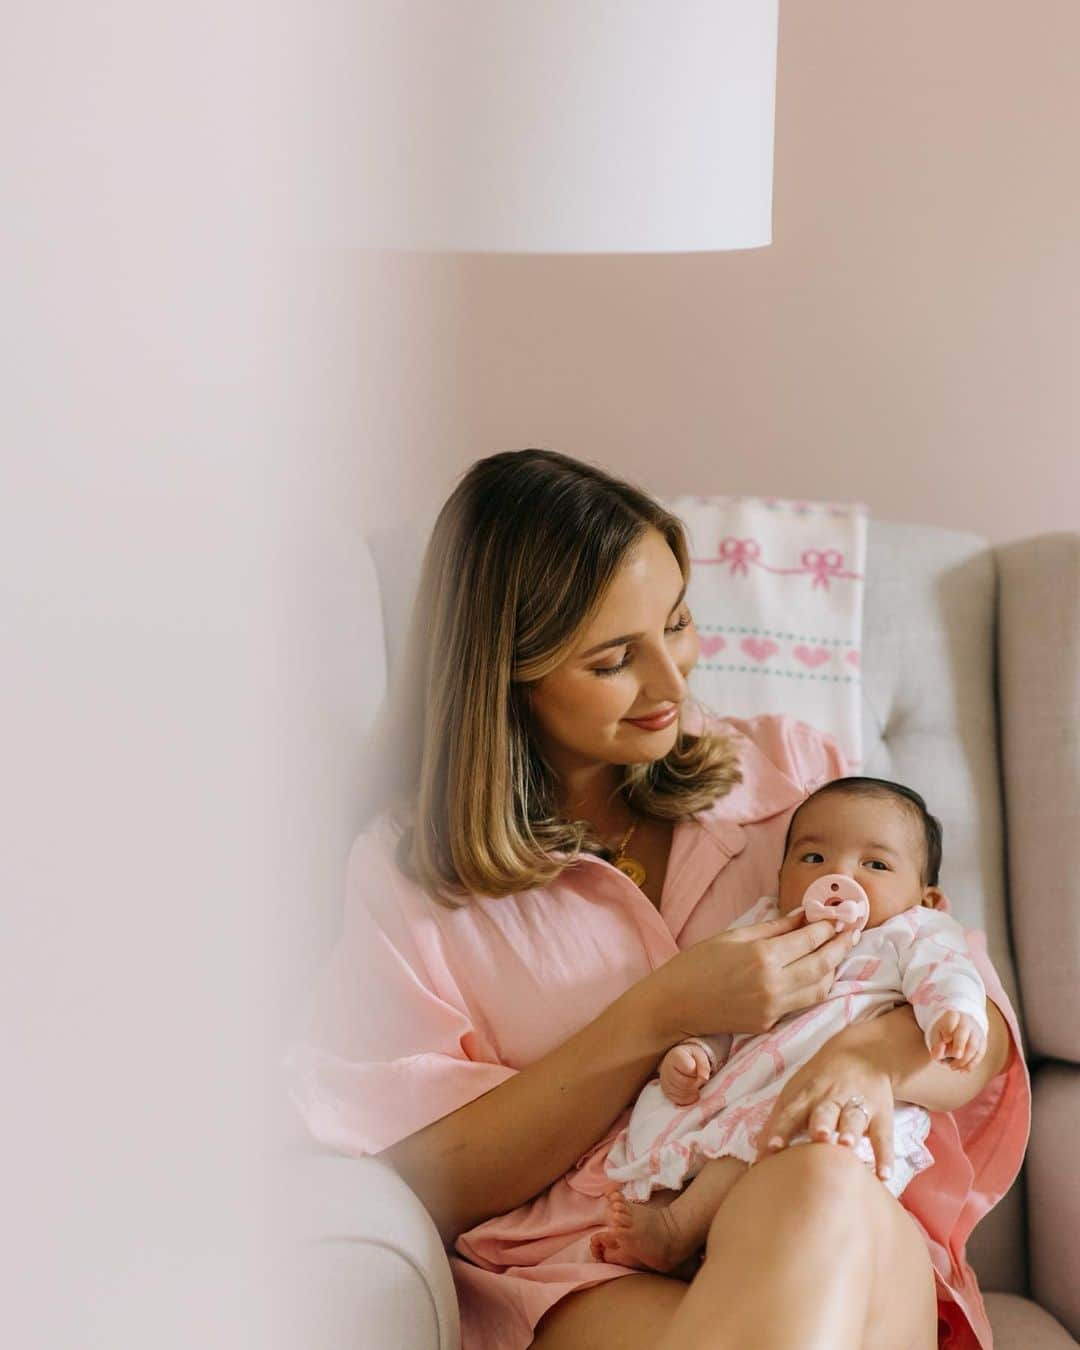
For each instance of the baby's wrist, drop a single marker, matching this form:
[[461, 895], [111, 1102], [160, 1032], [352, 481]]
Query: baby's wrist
[[710, 1054]]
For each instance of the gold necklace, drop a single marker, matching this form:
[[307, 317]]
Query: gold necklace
[[629, 867]]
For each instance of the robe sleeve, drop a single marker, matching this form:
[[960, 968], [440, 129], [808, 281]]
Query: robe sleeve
[[816, 756], [389, 1045], [808, 756], [994, 1128], [978, 1148]]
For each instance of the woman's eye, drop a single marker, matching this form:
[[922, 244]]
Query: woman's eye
[[612, 670], [684, 622]]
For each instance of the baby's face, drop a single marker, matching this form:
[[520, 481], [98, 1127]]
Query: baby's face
[[872, 839]]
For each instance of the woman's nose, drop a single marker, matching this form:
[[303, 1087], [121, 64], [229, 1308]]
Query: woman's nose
[[668, 682]]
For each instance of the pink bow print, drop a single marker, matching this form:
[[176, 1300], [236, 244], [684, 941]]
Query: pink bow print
[[841, 911], [822, 565], [738, 552]]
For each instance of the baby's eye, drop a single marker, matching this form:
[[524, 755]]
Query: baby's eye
[[876, 862], [812, 858]]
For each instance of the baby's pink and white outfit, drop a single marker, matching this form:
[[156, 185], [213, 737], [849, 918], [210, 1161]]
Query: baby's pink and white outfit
[[919, 956]]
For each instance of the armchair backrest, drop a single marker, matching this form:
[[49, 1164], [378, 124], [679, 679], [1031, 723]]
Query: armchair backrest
[[929, 720]]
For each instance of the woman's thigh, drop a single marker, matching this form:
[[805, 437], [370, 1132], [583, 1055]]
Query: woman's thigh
[[901, 1298], [628, 1313], [635, 1311], [903, 1313]]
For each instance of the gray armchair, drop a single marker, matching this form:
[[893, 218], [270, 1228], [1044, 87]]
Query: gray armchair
[[971, 693]]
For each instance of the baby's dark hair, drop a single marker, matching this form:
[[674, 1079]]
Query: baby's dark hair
[[908, 797]]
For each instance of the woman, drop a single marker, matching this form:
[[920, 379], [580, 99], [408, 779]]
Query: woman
[[501, 990]]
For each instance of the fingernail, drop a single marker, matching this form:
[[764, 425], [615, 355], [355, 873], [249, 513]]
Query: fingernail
[[885, 1172], [776, 1142], [846, 1138]]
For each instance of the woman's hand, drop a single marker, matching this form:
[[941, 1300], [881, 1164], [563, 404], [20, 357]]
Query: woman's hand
[[813, 1099], [746, 979]]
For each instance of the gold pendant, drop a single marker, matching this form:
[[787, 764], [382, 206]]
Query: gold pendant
[[631, 868]]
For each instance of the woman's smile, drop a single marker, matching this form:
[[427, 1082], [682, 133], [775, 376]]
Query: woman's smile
[[657, 722]]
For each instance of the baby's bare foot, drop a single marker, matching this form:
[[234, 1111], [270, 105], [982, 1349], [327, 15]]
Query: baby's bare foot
[[645, 1236]]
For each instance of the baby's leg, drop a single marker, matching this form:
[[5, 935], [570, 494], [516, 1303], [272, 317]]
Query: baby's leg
[[672, 1226]]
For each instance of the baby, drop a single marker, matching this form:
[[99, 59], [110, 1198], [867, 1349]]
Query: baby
[[862, 852]]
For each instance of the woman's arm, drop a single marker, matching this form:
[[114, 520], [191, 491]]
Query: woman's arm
[[881, 1061], [500, 1150], [895, 1043]]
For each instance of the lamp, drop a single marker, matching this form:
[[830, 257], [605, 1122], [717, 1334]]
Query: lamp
[[564, 126]]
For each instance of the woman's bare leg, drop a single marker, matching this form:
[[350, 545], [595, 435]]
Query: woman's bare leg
[[808, 1243], [630, 1313], [753, 1290]]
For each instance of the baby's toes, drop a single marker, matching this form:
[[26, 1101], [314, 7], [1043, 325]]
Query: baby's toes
[[618, 1212], [605, 1246]]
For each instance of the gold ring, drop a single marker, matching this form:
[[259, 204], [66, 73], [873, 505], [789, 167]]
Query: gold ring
[[858, 1104]]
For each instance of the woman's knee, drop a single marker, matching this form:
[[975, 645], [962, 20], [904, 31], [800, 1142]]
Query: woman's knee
[[825, 1172], [820, 1189], [818, 1174]]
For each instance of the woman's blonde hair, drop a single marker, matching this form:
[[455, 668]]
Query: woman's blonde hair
[[518, 561]]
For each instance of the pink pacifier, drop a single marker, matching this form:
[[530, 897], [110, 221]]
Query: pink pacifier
[[839, 899]]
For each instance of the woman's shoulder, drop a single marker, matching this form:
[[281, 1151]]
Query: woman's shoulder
[[374, 879], [378, 883], [807, 755]]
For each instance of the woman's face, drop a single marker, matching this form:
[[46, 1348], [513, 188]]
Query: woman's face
[[630, 660]]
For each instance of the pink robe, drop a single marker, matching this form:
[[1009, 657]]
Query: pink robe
[[421, 1009]]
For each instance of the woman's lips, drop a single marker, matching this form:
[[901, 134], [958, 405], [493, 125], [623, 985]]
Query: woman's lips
[[656, 723]]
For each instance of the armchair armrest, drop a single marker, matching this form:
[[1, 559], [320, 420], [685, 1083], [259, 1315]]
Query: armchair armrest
[[1054, 1192], [1039, 704], [1039, 701], [371, 1272]]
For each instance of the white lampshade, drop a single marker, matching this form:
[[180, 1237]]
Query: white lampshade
[[564, 126]]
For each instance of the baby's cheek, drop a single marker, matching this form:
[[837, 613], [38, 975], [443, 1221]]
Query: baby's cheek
[[790, 896]]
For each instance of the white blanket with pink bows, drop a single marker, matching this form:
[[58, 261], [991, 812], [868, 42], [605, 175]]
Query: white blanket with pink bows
[[776, 590]]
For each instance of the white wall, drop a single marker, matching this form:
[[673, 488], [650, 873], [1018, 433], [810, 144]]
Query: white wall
[[910, 339], [150, 524]]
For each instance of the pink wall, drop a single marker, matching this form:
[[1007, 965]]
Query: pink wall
[[911, 338]]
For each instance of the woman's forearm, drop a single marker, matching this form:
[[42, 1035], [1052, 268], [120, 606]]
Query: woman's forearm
[[895, 1042], [500, 1150]]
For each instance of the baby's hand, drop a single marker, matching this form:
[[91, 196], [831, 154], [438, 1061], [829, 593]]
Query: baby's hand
[[957, 1039], [682, 1071]]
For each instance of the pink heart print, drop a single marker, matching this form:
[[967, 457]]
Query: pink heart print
[[759, 648], [852, 659], [811, 656], [711, 645]]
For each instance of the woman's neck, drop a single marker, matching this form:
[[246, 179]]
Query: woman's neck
[[598, 802]]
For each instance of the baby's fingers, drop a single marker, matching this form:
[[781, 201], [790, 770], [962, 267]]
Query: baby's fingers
[[942, 1035], [682, 1061], [681, 1090], [973, 1052]]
